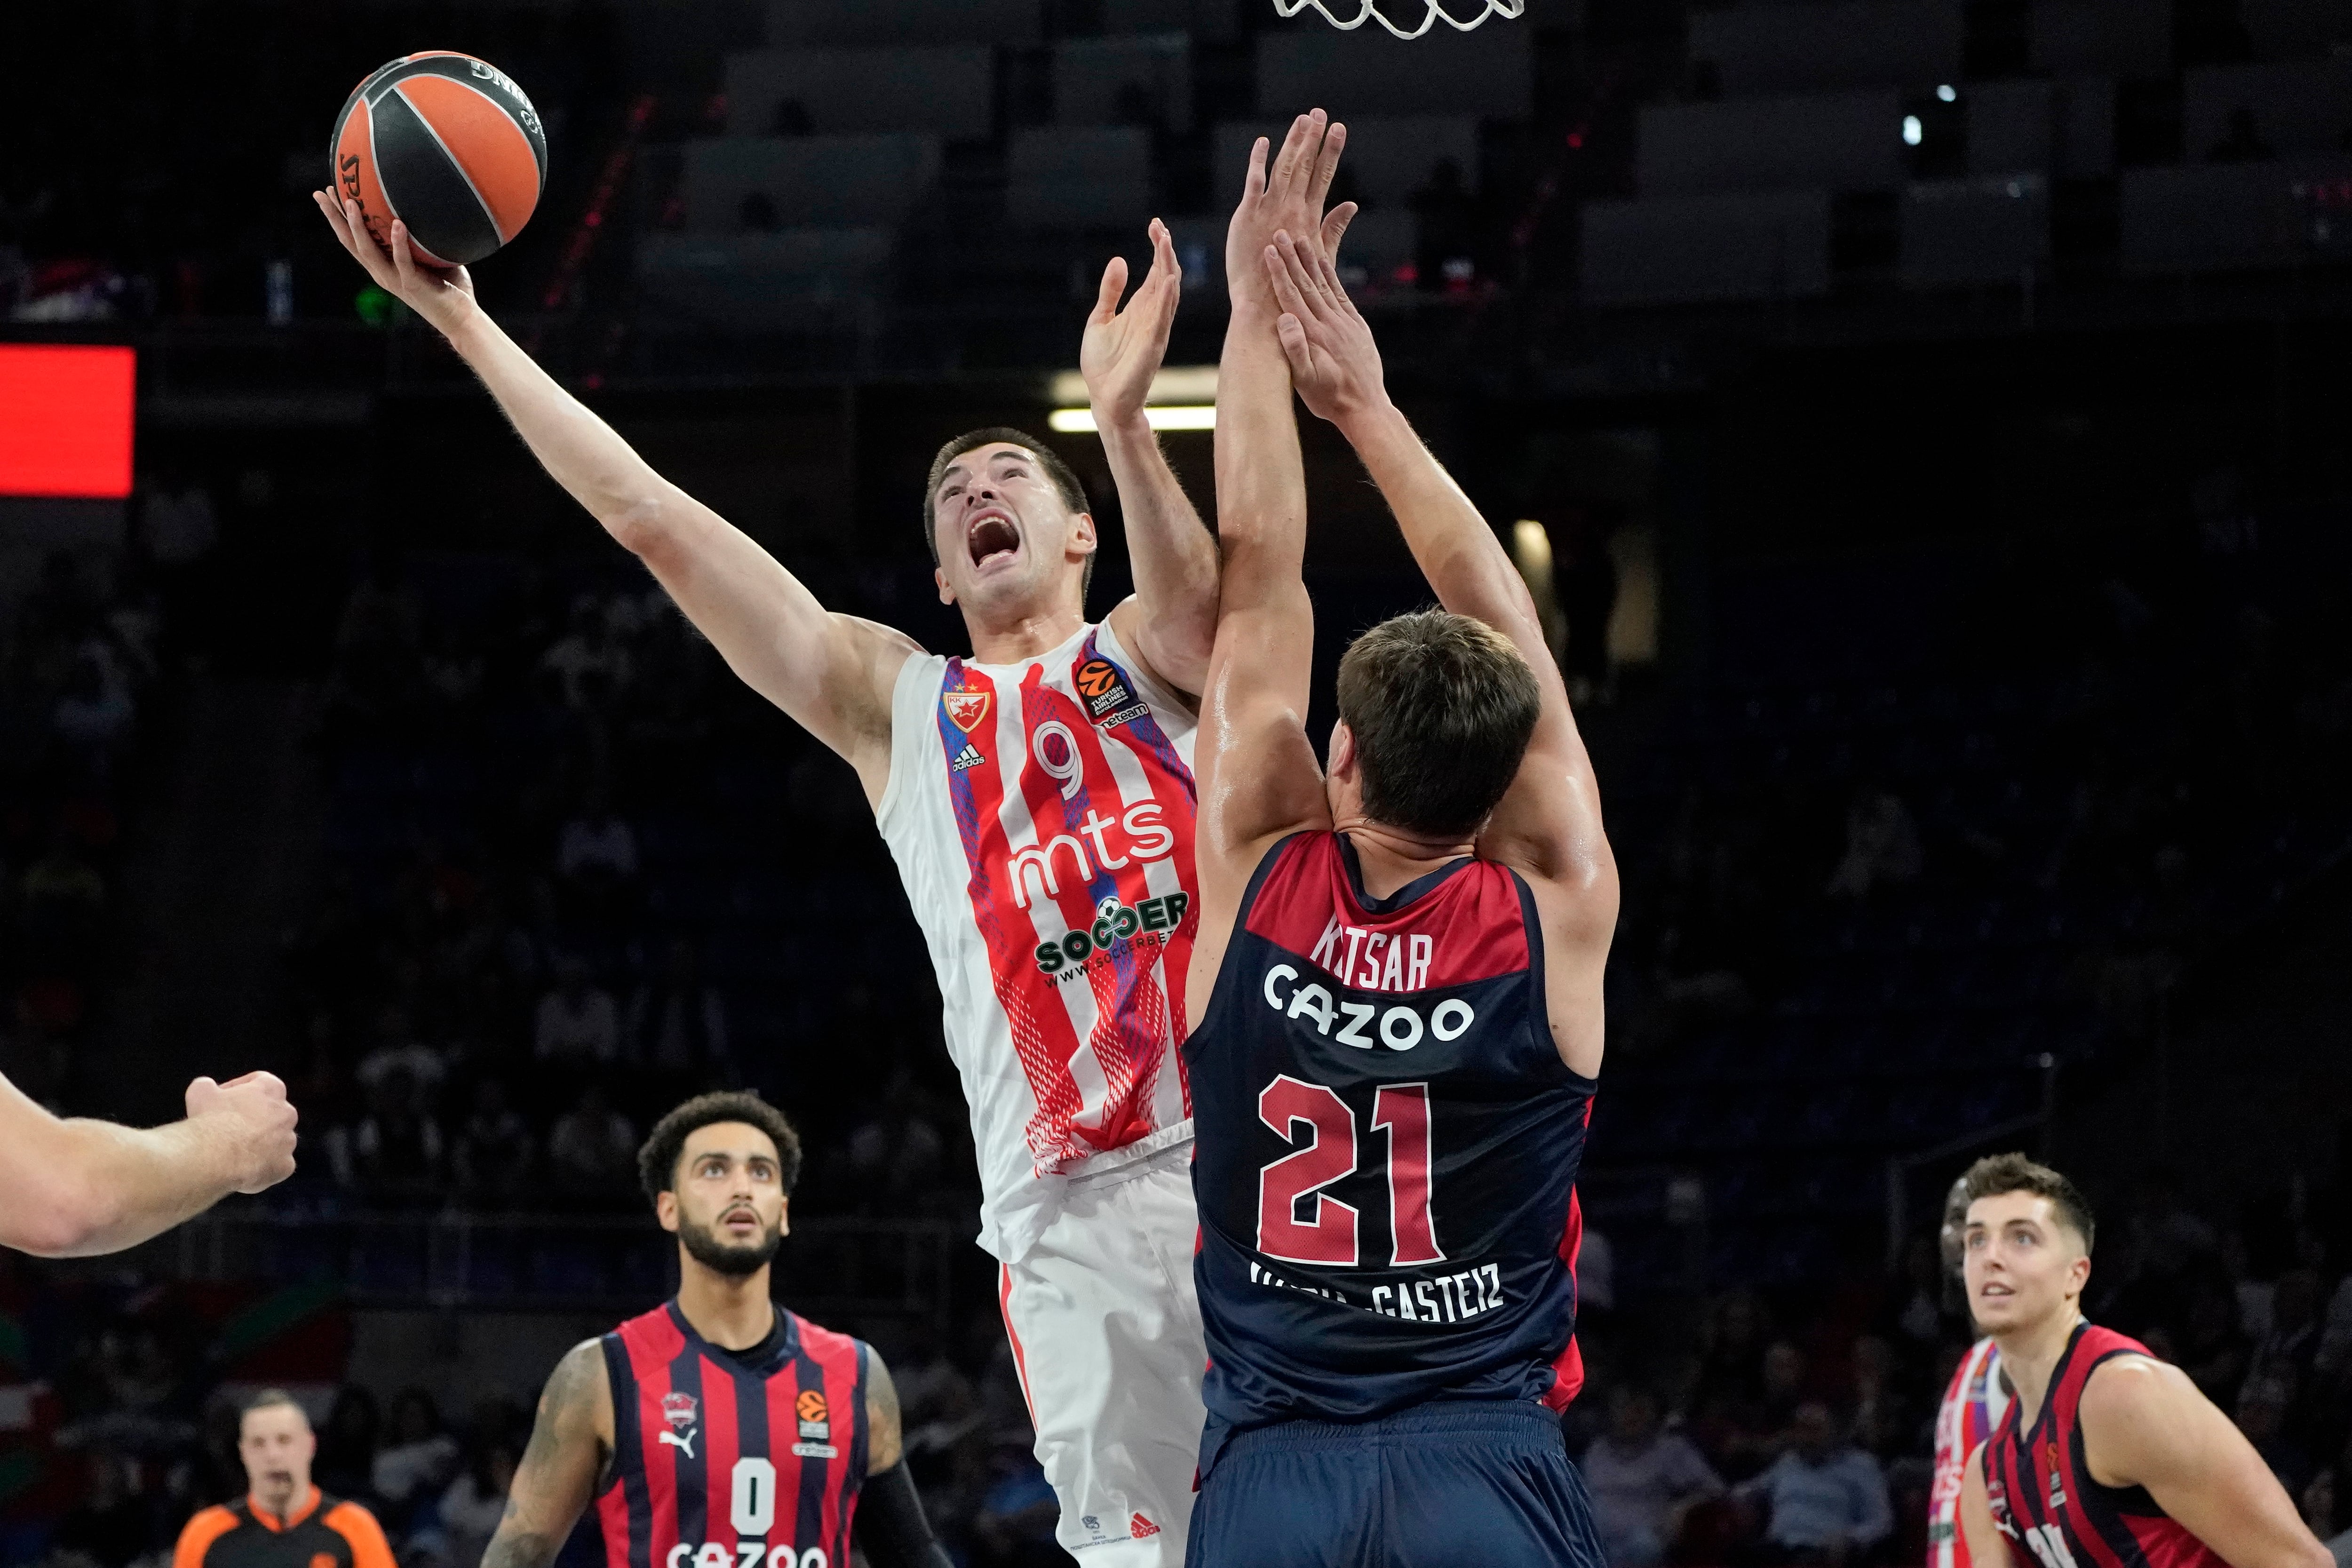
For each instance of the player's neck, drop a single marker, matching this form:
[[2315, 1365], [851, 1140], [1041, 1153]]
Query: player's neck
[[280, 1503], [1390, 857], [1015, 639], [731, 1310], [2030, 1354]]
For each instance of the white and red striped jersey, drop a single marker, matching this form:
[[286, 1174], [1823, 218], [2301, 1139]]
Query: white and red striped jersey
[[1972, 1407], [1041, 815]]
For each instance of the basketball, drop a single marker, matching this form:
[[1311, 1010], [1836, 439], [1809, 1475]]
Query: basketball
[[447, 144]]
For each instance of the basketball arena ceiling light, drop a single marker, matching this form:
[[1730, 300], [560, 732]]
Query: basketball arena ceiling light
[[1183, 397]]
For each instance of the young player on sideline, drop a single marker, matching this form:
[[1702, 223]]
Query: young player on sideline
[[1398, 985], [73, 1187], [2106, 1458], [719, 1430], [1972, 1406], [1038, 798]]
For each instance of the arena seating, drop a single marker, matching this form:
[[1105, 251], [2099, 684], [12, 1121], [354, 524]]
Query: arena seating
[[1144, 78], [1488, 74], [948, 89], [1389, 157], [901, 22], [1842, 141], [1751, 245], [826, 180], [790, 280], [2221, 216], [2296, 108], [1990, 230], [1096, 177], [1758, 49]]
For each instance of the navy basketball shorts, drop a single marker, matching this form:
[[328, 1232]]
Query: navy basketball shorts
[[1474, 1482]]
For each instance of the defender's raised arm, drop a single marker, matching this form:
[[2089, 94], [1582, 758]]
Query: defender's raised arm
[[832, 673], [1549, 825]]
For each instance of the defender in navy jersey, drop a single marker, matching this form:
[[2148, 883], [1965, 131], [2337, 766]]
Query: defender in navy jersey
[[1397, 990], [719, 1430]]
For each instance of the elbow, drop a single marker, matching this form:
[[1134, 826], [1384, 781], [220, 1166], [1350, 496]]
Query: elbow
[[56, 1221], [638, 522]]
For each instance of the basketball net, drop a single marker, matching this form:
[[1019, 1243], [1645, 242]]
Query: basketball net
[[1371, 11]]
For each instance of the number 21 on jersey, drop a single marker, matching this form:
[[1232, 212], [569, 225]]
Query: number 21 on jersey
[[1329, 1236]]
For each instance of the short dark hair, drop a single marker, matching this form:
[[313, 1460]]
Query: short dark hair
[[269, 1399], [1441, 707], [657, 1160], [1065, 480], [1998, 1173]]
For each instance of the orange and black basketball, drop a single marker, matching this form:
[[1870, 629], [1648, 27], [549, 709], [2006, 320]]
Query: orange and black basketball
[[450, 146]]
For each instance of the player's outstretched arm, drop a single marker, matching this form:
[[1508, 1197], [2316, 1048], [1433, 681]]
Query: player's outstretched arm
[[570, 1448], [2145, 1423], [1978, 1530], [1259, 779], [1549, 825], [1172, 619], [78, 1188], [891, 1530], [832, 673]]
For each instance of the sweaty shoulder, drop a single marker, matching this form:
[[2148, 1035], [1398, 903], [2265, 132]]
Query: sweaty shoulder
[[2133, 1406]]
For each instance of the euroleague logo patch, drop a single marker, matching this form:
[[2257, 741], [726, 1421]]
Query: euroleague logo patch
[[1109, 700]]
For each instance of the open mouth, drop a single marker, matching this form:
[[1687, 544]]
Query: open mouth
[[991, 534]]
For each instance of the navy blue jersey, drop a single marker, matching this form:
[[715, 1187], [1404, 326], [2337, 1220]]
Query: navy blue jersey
[[1387, 1152]]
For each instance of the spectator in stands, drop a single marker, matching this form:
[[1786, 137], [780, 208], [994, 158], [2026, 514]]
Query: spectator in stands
[[2242, 144], [1014, 1525], [2214, 1348], [678, 1027], [2263, 1405], [2325, 1510], [282, 1517], [2285, 1353], [1643, 1481], [1827, 1498], [493, 1157], [577, 1022], [589, 667], [94, 713], [472, 1506], [346, 1461], [593, 1149], [1447, 220], [62, 896], [416, 1463], [1882, 845], [112, 1525], [395, 1154]]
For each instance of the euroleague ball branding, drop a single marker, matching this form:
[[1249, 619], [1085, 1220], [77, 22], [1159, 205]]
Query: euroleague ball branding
[[447, 143]]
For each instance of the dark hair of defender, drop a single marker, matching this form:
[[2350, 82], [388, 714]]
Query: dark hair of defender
[[1442, 706], [1998, 1173], [1073, 494], [657, 1160]]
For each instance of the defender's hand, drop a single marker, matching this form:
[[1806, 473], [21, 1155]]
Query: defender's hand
[[1122, 350], [254, 1123], [1288, 196], [1334, 362], [443, 297]]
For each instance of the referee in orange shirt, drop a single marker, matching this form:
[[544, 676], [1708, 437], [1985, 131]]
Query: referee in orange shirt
[[282, 1522]]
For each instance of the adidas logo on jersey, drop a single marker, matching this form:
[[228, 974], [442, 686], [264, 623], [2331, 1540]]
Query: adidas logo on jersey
[[969, 757], [1140, 1527]]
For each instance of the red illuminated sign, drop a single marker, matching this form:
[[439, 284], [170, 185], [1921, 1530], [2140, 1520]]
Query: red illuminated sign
[[66, 416]]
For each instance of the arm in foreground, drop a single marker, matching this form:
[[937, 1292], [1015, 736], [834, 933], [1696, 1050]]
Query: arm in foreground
[[2145, 1423], [891, 1529], [570, 1441], [1977, 1527], [1547, 825], [1259, 777], [1172, 620], [79, 1188], [832, 673]]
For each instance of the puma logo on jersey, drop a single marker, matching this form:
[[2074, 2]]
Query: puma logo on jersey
[[679, 1440]]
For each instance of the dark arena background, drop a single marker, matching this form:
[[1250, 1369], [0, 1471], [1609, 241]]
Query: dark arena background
[[1925, 424]]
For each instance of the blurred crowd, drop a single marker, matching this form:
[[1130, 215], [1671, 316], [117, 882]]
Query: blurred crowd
[[550, 804], [77, 669]]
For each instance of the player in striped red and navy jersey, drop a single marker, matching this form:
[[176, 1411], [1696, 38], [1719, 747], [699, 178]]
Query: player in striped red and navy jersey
[[719, 1430], [2107, 1457]]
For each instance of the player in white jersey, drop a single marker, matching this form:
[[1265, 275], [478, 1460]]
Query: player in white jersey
[[1038, 798], [1974, 1402]]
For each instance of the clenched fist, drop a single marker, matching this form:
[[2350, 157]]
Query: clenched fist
[[252, 1123]]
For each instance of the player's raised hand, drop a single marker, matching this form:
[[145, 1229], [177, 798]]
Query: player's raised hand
[[1122, 350], [1284, 188], [1334, 362], [443, 296], [254, 1125]]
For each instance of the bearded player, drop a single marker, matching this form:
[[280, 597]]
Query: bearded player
[[1038, 798], [1972, 1406], [719, 1430], [1397, 991], [2107, 1457]]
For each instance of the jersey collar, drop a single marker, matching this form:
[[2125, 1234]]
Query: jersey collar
[[270, 1522], [1413, 889], [786, 1346]]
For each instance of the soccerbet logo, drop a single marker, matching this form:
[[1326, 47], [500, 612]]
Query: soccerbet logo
[[1114, 922]]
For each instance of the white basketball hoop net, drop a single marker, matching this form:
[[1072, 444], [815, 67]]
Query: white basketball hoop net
[[1371, 11]]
